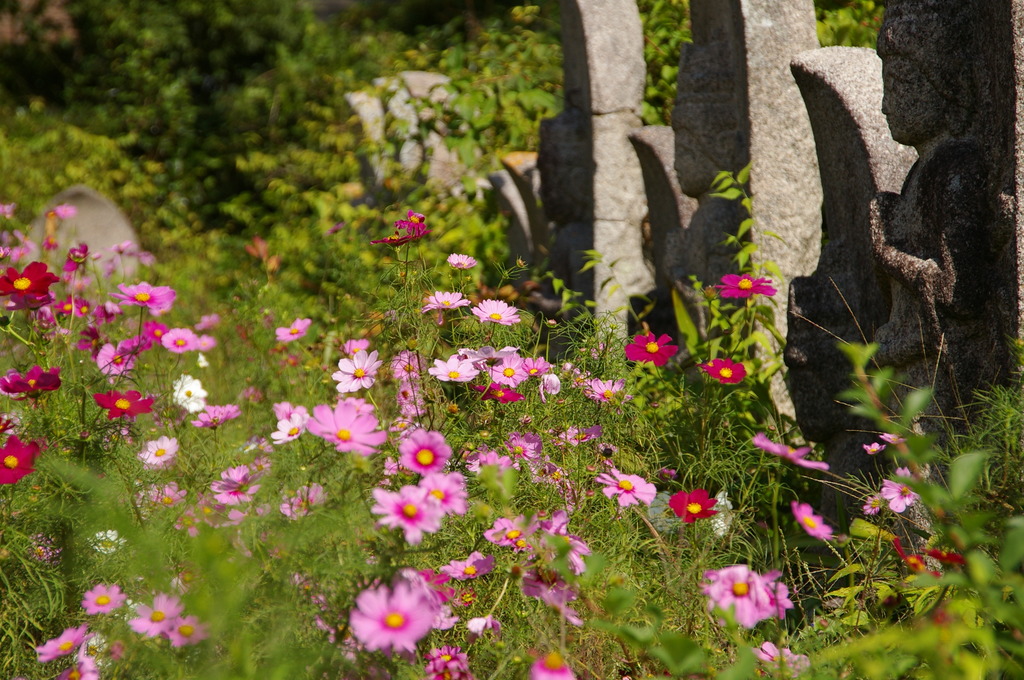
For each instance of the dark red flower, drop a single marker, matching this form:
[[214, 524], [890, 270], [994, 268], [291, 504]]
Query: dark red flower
[[34, 280], [119, 404], [692, 506], [945, 556], [76, 257], [32, 384], [415, 228], [497, 392], [16, 459], [914, 562]]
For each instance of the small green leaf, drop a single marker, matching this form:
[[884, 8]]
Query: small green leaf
[[680, 655], [964, 473], [618, 600], [743, 669]]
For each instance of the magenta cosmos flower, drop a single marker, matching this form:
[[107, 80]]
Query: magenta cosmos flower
[[474, 566], [412, 509], [899, 495], [424, 451], [628, 489], [156, 620], [460, 261], [646, 348], [32, 384], [751, 596], [389, 620], [102, 599], [357, 373], [118, 404], [235, 486], [811, 523], [185, 630], [795, 456], [295, 331], [551, 667], [496, 311], [441, 301], [63, 644], [787, 663], [691, 506], [347, 428], [410, 229], [725, 371], [157, 299], [16, 459], [215, 416], [743, 286], [499, 393], [449, 490]]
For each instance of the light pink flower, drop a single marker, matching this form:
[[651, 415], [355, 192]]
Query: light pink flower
[[180, 340], [206, 342], [751, 596], [357, 373], [214, 416], [102, 599], [159, 453], [873, 448], [350, 347], [496, 311], [424, 451], [899, 495], [441, 301], [63, 644], [207, 321], [407, 365], [411, 508], [509, 371], [64, 211], [477, 626], [459, 261], [289, 429], [629, 489], [157, 299], [449, 490], [474, 566], [536, 366], [186, 630], [873, 504], [795, 456], [296, 330], [549, 384], [284, 410], [891, 439], [167, 495], [454, 369], [551, 667], [392, 620], [348, 426], [510, 533], [603, 390], [235, 486], [158, 619], [788, 663], [813, 524], [116, 361], [305, 498]]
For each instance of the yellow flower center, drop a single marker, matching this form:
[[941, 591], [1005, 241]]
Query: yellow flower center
[[554, 662], [122, 404], [160, 452], [74, 674], [438, 494], [518, 450], [186, 630], [725, 372], [740, 589], [625, 485], [425, 457], [499, 393], [359, 373], [294, 331], [344, 435], [521, 543], [694, 508], [514, 534], [10, 462], [102, 600], [394, 620], [810, 523], [745, 284], [66, 646], [157, 617], [446, 303], [292, 432], [142, 297], [453, 374], [22, 283], [31, 382], [508, 372], [410, 510], [652, 347], [167, 500], [607, 394], [180, 342], [469, 571], [496, 316]]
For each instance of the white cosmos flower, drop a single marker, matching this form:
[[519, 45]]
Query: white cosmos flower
[[720, 522], [189, 394], [106, 542]]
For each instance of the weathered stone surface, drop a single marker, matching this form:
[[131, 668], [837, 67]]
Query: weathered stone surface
[[510, 201], [98, 222], [566, 167], [602, 44], [844, 300], [425, 85], [522, 168], [949, 242]]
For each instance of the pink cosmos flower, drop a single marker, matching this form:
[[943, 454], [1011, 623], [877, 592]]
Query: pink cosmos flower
[[477, 626], [784, 660], [743, 286], [891, 439], [289, 429], [795, 456], [284, 410], [454, 369], [411, 508], [348, 426], [551, 667], [186, 630], [392, 620], [753, 597], [510, 533], [206, 342], [528, 445], [357, 373], [154, 330], [474, 566], [557, 536], [424, 451], [449, 490], [7, 210], [873, 448], [478, 459], [158, 619], [235, 486], [441, 301], [117, 361], [63, 644], [407, 365], [549, 384], [811, 523], [447, 662], [215, 416], [899, 495], [459, 261], [603, 390], [415, 228], [102, 599], [536, 366], [295, 331], [725, 371], [64, 211], [180, 340], [207, 321], [629, 489], [350, 347], [509, 371], [496, 311], [85, 667], [646, 348], [159, 453], [305, 498], [157, 299], [873, 504]]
